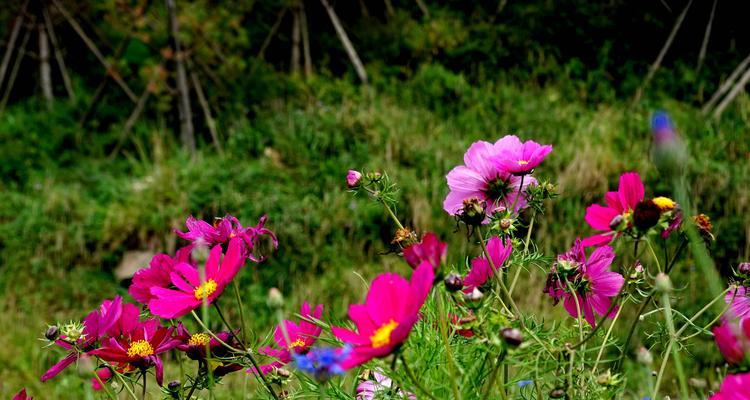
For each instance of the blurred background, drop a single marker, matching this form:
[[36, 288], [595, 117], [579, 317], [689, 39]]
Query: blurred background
[[119, 118]]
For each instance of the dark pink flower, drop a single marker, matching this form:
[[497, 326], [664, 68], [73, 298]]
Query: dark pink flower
[[104, 375], [95, 327], [521, 157], [430, 249], [386, 318], [481, 271], [588, 281], [201, 233], [22, 395], [157, 274], [619, 209], [301, 338], [740, 301], [734, 387], [483, 179], [139, 347], [194, 345], [353, 178], [732, 339], [191, 291]]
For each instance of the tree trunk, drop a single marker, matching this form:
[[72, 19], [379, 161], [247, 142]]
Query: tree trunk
[[740, 86], [294, 64], [271, 33], [305, 40], [358, 67], [706, 36], [45, 72], [17, 65], [58, 53], [12, 41], [726, 85], [206, 111], [187, 134]]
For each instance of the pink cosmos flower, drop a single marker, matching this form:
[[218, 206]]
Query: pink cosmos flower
[[201, 233], [386, 318], [157, 275], [481, 271], [139, 346], [430, 249], [301, 338], [521, 158], [732, 339], [191, 291], [194, 346], [22, 395], [95, 326], [379, 386], [482, 178], [104, 375], [353, 178], [734, 387], [619, 204], [593, 284], [740, 301]]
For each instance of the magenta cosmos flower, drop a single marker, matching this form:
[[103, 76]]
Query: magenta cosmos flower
[[194, 346], [139, 346], [301, 338], [22, 395], [589, 281], [521, 157], [619, 204], [158, 274], [95, 326], [353, 178], [481, 271], [734, 387], [201, 233], [740, 301], [386, 318], [190, 291], [482, 178], [732, 339], [430, 249]]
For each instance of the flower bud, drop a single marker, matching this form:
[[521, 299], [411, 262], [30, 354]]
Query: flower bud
[[52, 333], [275, 298], [644, 356], [558, 393], [697, 383], [744, 268], [353, 178], [72, 331], [284, 373], [473, 211], [512, 336], [505, 223], [473, 296], [453, 282], [174, 386], [663, 283]]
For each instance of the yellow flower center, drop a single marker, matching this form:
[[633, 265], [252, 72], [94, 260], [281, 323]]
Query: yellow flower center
[[382, 336], [206, 289], [140, 348], [297, 343], [522, 162], [199, 339], [664, 203]]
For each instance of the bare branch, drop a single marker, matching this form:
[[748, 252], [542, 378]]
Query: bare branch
[[346, 42]]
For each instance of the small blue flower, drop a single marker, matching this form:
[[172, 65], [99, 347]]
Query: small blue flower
[[524, 383], [660, 121], [322, 363]]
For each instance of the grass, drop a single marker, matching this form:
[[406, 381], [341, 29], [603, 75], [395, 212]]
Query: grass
[[68, 213]]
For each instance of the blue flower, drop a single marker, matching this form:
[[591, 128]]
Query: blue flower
[[322, 363], [524, 383]]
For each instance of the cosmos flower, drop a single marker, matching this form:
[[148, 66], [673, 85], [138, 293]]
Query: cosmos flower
[[201, 233], [617, 212], [734, 387], [157, 274], [353, 178], [732, 339], [21, 395], [194, 346], [521, 158], [378, 387], [191, 291], [301, 338], [481, 271], [588, 281], [84, 338], [323, 363], [139, 347], [430, 249], [740, 301], [483, 179], [386, 318]]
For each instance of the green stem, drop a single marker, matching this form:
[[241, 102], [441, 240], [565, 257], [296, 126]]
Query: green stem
[[606, 337], [497, 272], [143, 393], [414, 380], [493, 375], [125, 384], [446, 342], [241, 309], [213, 335], [525, 251], [653, 254], [675, 352], [706, 308], [105, 387], [602, 320], [631, 331]]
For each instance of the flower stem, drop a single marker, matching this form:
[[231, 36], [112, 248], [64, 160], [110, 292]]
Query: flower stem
[[606, 336], [143, 393], [684, 393], [631, 331], [414, 380], [493, 375], [106, 389], [446, 342], [497, 272], [239, 305], [653, 254]]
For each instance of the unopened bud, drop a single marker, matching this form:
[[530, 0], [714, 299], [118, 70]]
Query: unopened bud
[[52, 333], [353, 178], [505, 223], [200, 253], [174, 385], [744, 268], [453, 282], [558, 393], [474, 295], [663, 283], [697, 383], [473, 211], [275, 298], [644, 356], [284, 373], [512, 336]]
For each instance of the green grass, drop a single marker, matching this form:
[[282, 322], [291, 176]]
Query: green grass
[[68, 213]]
